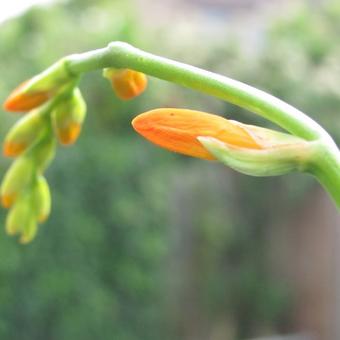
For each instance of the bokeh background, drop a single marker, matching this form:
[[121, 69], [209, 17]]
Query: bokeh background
[[145, 244]]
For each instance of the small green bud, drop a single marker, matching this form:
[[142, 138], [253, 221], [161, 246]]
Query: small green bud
[[17, 178], [42, 199], [68, 117], [24, 133], [20, 215], [29, 231]]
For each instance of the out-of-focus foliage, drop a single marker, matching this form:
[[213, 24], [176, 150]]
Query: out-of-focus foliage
[[141, 243]]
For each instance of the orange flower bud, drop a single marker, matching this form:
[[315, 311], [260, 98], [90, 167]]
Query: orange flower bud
[[21, 99], [126, 83], [68, 118], [40, 88], [177, 130]]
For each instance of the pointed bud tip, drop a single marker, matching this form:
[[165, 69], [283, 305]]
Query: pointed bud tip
[[69, 134], [11, 149], [7, 200], [20, 100], [42, 218]]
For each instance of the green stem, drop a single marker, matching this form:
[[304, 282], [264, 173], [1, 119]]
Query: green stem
[[327, 171], [122, 55]]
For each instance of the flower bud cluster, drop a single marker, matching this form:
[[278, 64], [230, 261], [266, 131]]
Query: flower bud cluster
[[56, 112]]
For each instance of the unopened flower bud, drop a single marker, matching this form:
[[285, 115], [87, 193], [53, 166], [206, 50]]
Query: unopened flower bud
[[18, 176], [21, 218], [42, 199], [126, 83], [24, 133], [177, 130], [68, 118], [37, 90], [29, 232]]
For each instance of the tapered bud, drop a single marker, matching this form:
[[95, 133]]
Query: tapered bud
[[177, 130], [21, 219], [17, 178], [24, 133], [29, 232], [20, 214], [68, 117], [23, 99], [42, 199], [277, 159], [37, 90], [126, 83]]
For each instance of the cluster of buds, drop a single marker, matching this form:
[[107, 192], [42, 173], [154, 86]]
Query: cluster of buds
[[54, 111], [248, 149]]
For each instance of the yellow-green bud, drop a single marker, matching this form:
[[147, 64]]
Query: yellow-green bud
[[68, 117], [29, 231], [24, 133], [42, 199], [18, 176], [20, 215]]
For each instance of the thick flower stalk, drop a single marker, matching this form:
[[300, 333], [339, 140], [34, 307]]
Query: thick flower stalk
[[55, 111]]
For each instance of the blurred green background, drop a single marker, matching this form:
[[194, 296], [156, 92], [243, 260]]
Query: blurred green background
[[144, 244]]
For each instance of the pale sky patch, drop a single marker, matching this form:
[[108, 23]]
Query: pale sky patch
[[12, 8]]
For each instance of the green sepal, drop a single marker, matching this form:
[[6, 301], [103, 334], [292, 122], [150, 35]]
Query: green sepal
[[43, 152], [271, 161], [17, 177], [51, 80], [41, 199]]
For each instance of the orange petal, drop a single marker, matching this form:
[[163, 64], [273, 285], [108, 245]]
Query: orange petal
[[177, 130], [69, 134], [19, 100], [128, 84], [7, 200], [13, 149]]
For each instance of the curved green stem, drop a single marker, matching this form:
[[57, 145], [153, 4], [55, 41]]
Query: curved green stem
[[122, 55], [327, 170]]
